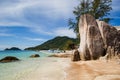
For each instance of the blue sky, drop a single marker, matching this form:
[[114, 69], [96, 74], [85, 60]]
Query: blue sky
[[25, 23]]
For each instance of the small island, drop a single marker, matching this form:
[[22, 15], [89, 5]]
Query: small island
[[12, 48]]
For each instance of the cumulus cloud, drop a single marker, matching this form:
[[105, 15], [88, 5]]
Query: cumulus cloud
[[20, 12], [35, 14], [15, 12]]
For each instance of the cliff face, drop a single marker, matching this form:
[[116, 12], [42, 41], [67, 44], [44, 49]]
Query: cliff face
[[96, 36]]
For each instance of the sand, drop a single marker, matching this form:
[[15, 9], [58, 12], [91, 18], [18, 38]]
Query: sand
[[65, 69], [53, 69], [93, 70]]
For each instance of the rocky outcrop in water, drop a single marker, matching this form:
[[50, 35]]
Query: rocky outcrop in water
[[96, 36], [9, 59], [34, 56]]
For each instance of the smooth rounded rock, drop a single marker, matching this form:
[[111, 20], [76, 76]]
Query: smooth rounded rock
[[34, 56], [9, 59]]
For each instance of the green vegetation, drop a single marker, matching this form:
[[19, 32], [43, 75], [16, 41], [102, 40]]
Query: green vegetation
[[98, 8], [61, 43]]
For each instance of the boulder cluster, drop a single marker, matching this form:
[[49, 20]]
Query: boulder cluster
[[97, 38]]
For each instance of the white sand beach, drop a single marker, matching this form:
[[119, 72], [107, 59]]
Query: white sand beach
[[65, 69], [93, 70], [53, 69]]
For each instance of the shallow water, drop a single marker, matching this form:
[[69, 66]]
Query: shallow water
[[20, 54], [19, 69]]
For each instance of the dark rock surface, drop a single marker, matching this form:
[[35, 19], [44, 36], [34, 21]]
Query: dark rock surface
[[96, 36], [34, 56], [76, 56], [9, 59]]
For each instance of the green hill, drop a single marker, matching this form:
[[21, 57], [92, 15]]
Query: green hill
[[61, 43]]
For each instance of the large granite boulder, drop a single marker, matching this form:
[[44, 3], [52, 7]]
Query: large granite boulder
[[9, 59], [76, 56], [91, 45], [111, 38], [34, 56], [95, 37]]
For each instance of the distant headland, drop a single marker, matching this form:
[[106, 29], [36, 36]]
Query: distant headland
[[12, 48]]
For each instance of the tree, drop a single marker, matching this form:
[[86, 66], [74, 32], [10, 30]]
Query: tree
[[97, 8], [82, 8], [100, 9]]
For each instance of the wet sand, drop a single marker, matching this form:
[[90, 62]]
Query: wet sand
[[53, 69], [65, 69]]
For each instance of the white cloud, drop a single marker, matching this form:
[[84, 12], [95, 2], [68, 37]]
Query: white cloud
[[34, 39], [21, 13], [15, 13], [6, 34], [59, 31], [41, 30], [64, 32]]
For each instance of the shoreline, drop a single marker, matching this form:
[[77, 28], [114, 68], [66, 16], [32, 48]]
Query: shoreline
[[65, 69], [54, 69], [62, 68]]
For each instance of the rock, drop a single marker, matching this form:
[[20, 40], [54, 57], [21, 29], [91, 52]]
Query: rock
[[35, 55], [91, 45], [53, 55], [96, 37], [76, 56], [9, 59], [111, 38]]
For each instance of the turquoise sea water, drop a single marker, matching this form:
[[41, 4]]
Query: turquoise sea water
[[20, 54], [19, 69]]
